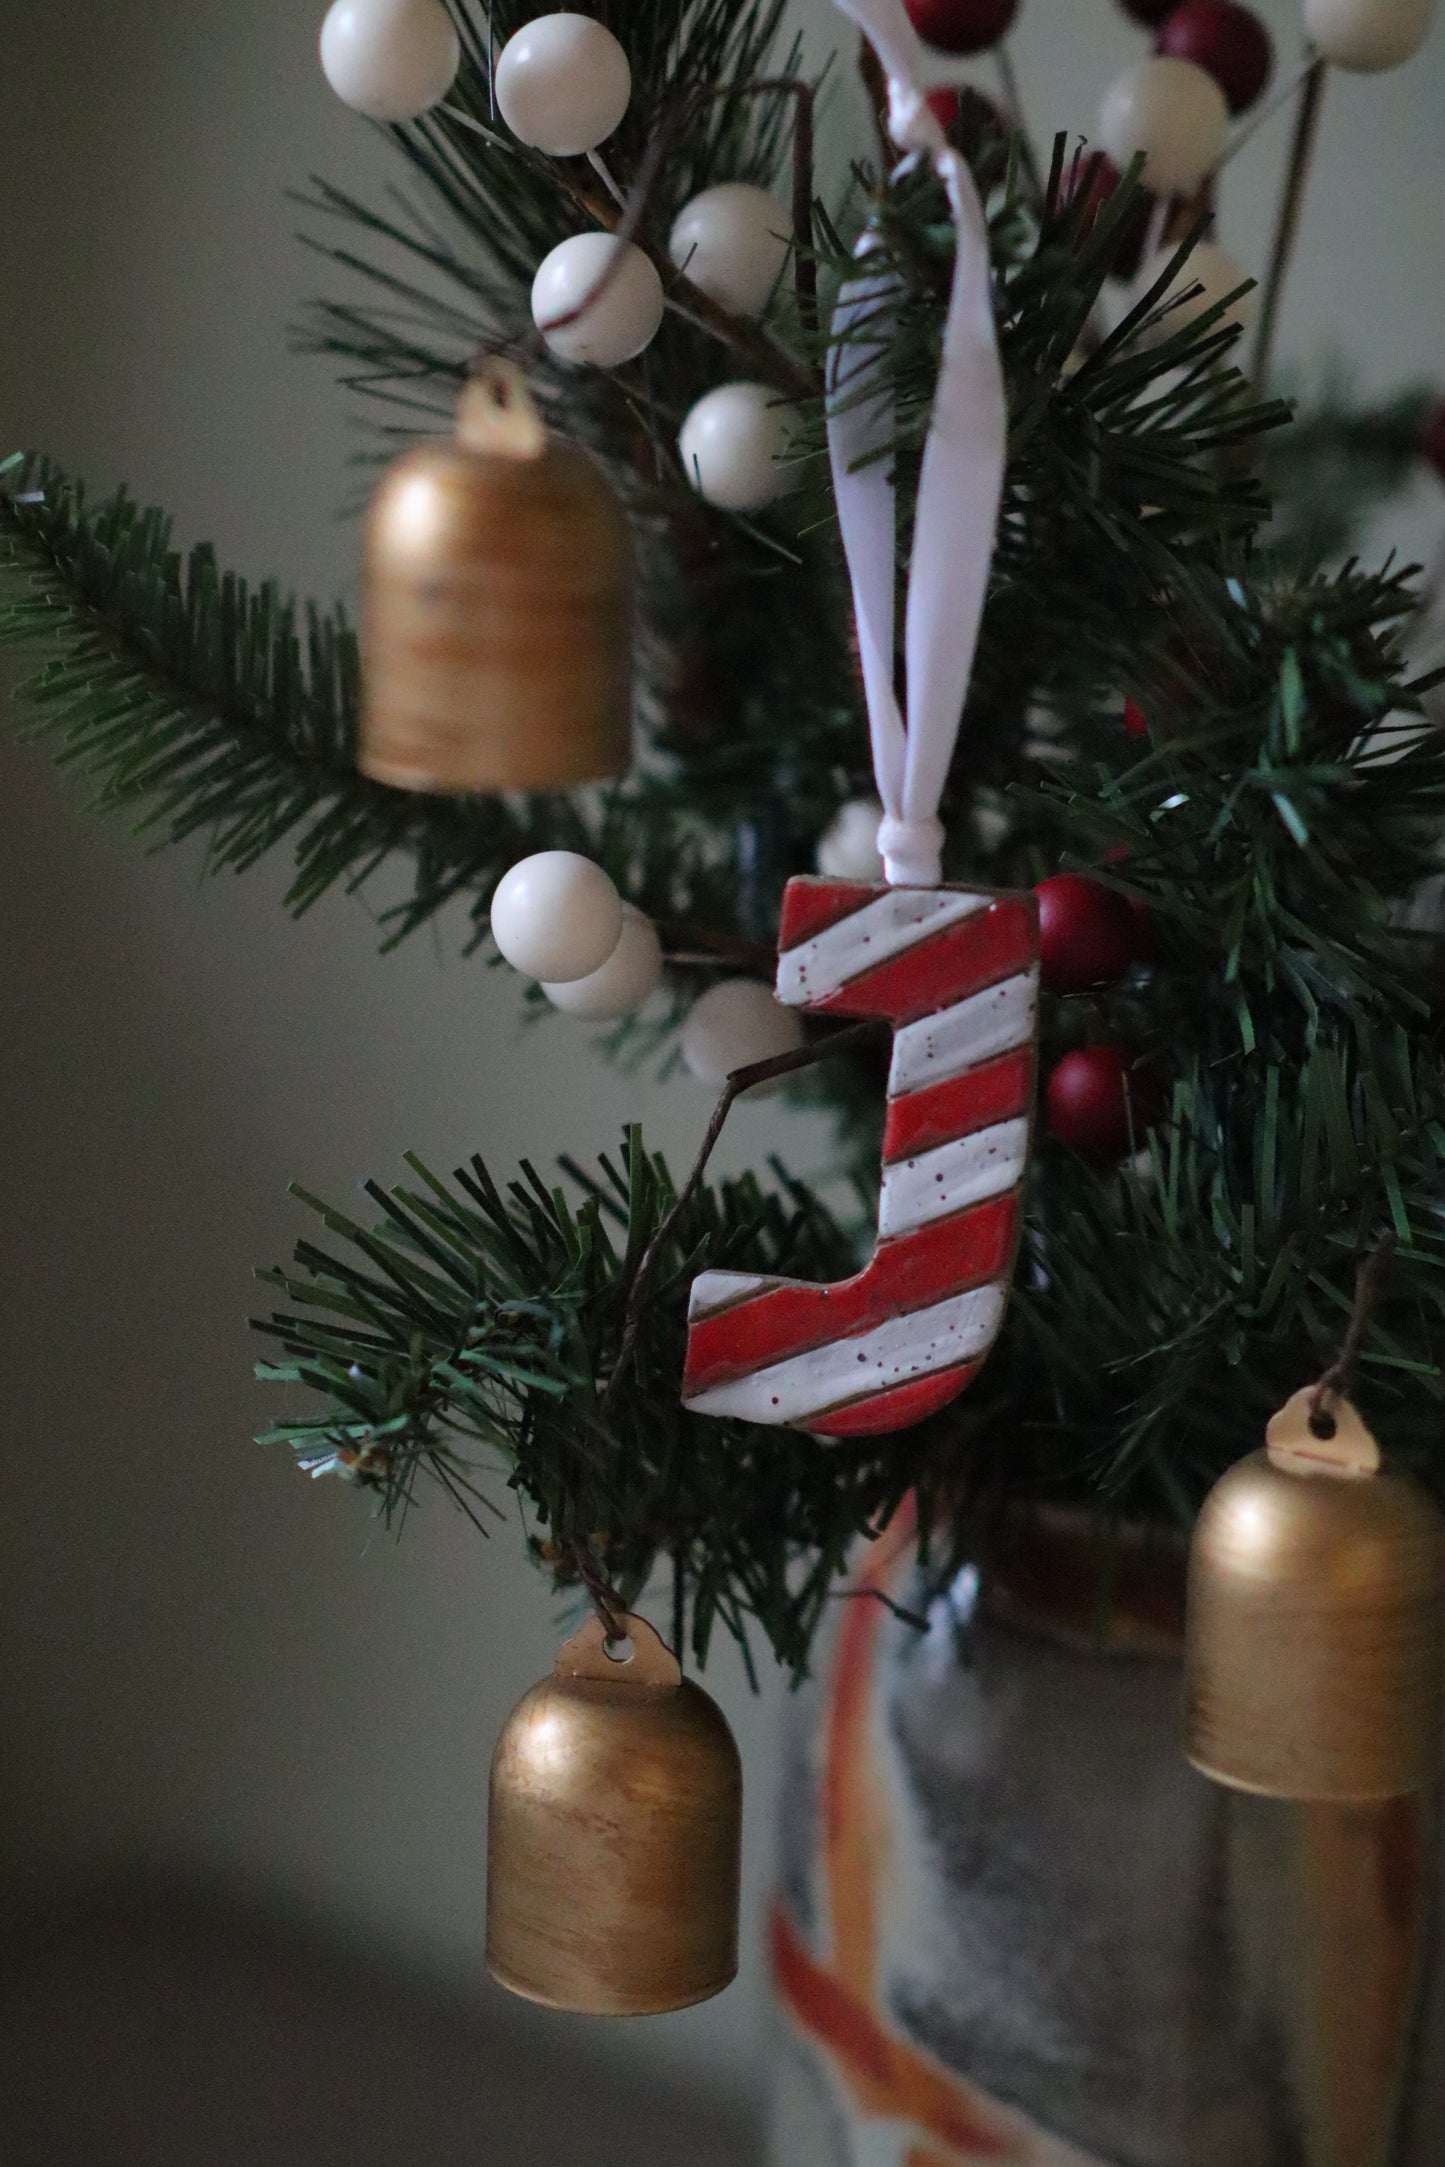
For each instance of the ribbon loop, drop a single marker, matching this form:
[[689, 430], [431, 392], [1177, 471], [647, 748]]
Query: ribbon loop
[[960, 482]]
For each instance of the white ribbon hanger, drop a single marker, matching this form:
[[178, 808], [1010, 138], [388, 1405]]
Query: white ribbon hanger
[[959, 487]]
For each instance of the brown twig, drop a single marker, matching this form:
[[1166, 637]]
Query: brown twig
[[624, 225], [805, 267], [805, 262], [1369, 1280], [875, 83], [771, 361], [1297, 171], [688, 944], [741, 1079]]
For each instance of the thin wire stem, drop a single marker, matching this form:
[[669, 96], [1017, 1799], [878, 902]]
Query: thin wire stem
[[599, 166], [1297, 170], [1014, 107], [1249, 129]]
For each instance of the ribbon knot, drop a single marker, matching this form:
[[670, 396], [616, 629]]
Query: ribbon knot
[[912, 122], [912, 850]]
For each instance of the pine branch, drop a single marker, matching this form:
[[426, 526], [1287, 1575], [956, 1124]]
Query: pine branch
[[203, 707], [1278, 826], [472, 1333]]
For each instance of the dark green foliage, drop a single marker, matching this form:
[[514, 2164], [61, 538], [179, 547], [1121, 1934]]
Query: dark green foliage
[[207, 708], [1341, 463], [474, 1331], [1161, 536]]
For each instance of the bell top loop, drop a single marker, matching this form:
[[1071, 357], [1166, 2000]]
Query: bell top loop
[[651, 1662], [497, 414], [1296, 1445]]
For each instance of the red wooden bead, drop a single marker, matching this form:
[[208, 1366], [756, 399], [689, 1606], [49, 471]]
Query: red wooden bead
[[1432, 438], [946, 107], [961, 26], [1136, 722], [1087, 934], [1089, 1096], [968, 114], [1228, 41]]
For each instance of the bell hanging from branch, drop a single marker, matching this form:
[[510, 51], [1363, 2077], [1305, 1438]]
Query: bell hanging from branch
[[614, 1835], [497, 612], [1316, 1611]]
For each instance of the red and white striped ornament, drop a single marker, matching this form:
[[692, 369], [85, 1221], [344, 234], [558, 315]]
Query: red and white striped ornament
[[955, 971]]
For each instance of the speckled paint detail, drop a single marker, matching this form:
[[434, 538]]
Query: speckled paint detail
[[955, 971]]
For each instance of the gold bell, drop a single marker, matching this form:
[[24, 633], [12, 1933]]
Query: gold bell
[[1314, 1624], [497, 616], [614, 1834]]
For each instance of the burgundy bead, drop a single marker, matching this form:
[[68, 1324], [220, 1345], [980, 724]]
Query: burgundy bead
[[1086, 933], [961, 26], [1094, 178], [946, 107], [1089, 1096], [1228, 41]]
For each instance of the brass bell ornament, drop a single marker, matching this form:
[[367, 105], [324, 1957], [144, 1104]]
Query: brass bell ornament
[[497, 608], [614, 1835], [1314, 1623]]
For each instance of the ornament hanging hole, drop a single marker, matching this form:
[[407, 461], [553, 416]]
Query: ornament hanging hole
[[648, 1660], [1308, 1437], [497, 414]]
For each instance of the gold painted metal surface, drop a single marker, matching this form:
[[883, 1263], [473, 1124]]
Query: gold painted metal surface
[[497, 618], [614, 1836], [1314, 1634]]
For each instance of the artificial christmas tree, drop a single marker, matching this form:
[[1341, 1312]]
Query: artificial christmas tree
[[1263, 1070]]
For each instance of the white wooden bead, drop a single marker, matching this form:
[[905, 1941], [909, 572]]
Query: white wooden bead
[[732, 242], [734, 1024], [556, 916], [733, 445], [390, 59], [848, 849], [1366, 35], [1214, 271], [619, 323], [628, 977], [563, 84], [1175, 114]]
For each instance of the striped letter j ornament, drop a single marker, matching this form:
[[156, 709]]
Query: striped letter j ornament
[[955, 971]]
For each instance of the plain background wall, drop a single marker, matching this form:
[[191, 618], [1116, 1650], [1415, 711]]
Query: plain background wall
[[207, 1661]]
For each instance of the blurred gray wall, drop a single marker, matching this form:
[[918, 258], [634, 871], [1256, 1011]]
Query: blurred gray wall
[[209, 1664]]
